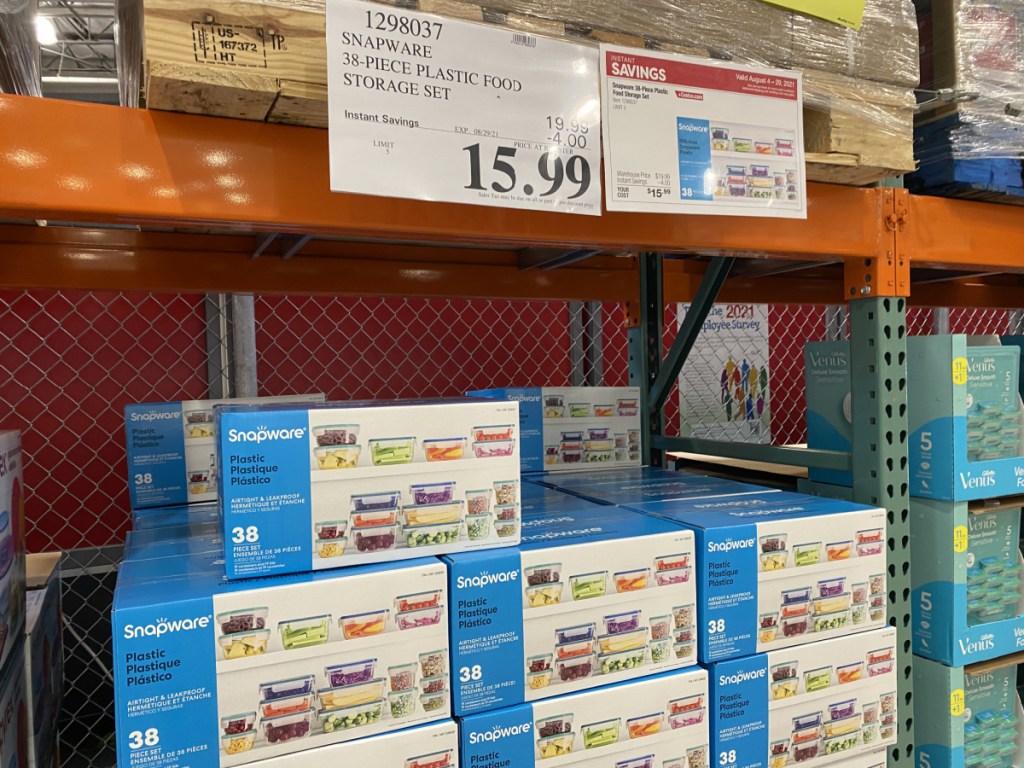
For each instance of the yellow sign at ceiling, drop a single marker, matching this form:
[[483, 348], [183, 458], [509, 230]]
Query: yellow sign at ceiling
[[848, 13]]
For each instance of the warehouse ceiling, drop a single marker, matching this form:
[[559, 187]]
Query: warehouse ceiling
[[77, 52]]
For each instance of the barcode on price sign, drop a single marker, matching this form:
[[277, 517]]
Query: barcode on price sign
[[528, 40]]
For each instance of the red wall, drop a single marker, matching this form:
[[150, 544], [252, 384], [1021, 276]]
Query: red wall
[[71, 361]]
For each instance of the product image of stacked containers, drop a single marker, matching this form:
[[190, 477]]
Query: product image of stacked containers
[[338, 484]]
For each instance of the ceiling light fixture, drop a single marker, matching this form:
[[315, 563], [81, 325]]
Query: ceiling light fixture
[[46, 32]]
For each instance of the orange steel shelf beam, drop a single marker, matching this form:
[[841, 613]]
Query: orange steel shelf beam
[[104, 259], [98, 165], [941, 232], [79, 162]]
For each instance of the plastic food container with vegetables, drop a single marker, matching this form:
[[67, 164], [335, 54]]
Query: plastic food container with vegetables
[[378, 474], [331, 547], [815, 709], [550, 578], [294, 662], [623, 726], [761, 551]]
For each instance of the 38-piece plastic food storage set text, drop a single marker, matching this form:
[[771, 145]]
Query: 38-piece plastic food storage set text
[[171, 454], [324, 486], [590, 597], [236, 672], [576, 427]]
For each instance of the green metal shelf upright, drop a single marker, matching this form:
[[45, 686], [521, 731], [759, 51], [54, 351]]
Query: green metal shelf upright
[[878, 341]]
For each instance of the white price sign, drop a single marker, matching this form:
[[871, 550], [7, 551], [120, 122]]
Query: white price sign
[[427, 107], [689, 135]]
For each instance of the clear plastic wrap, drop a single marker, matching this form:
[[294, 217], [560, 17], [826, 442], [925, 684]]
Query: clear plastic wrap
[[19, 50], [858, 92], [885, 48], [977, 51], [128, 42]]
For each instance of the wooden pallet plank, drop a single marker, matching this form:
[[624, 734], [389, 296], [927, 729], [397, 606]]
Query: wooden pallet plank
[[267, 61]]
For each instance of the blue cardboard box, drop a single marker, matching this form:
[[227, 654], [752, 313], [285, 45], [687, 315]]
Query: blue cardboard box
[[967, 602], [964, 412], [174, 541], [12, 544], [171, 455], [967, 716], [572, 428], [654, 722], [580, 479], [308, 487], [590, 597], [228, 673], [542, 500], [629, 487], [779, 569], [184, 514], [812, 704], [44, 657]]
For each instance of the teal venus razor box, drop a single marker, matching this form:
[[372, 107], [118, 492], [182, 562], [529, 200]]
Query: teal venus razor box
[[829, 412], [967, 601], [967, 717], [964, 413]]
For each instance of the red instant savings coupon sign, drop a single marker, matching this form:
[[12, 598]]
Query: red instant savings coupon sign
[[687, 135]]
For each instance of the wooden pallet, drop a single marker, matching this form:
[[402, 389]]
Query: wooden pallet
[[267, 61]]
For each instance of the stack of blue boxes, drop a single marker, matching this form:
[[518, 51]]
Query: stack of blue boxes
[[966, 473], [377, 581]]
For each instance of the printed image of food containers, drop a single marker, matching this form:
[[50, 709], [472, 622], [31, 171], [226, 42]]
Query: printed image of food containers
[[199, 423], [434, 745], [828, 604], [293, 662], [720, 139], [247, 632], [572, 426], [819, 564], [340, 702], [580, 627], [654, 722], [825, 699]]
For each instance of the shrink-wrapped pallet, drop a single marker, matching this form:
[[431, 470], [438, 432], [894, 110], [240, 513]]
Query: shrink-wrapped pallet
[[859, 99]]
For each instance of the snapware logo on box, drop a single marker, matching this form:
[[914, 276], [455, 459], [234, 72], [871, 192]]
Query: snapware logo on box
[[729, 545], [157, 416], [486, 579], [499, 732], [262, 434], [163, 626], [737, 678]]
